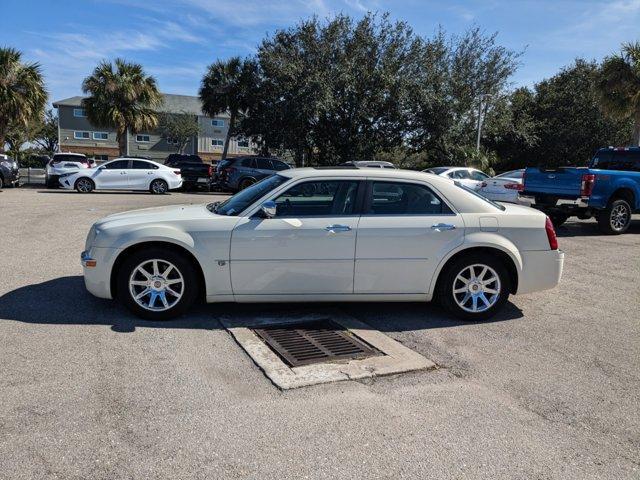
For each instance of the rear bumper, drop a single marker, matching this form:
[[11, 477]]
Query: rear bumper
[[582, 202], [541, 270]]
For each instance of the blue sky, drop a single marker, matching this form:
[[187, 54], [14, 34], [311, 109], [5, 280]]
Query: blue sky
[[176, 40]]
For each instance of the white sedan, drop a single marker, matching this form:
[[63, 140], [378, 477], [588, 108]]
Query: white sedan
[[309, 234], [124, 174], [504, 187], [470, 177]]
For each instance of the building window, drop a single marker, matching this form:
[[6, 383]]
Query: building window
[[172, 141], [142, 138], [217, 122], [79, 112], [100, 136], [243, 143], [81, 135], [217, 142]]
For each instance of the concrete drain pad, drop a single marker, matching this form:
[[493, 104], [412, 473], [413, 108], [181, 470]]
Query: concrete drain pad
[[297, 350]]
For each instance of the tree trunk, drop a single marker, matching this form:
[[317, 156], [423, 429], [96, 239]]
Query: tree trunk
[[2, 142], [232, 120], [636, 129], [122, 143]]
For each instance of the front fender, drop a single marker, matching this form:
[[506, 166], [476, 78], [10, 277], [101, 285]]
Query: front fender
[[476, 240]]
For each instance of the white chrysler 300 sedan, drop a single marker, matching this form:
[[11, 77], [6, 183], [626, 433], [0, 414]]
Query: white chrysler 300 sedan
[[326, 235]]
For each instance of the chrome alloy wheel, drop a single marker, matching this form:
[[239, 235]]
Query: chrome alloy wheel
[[158, 186], [156, 285], [84, 185], [476, 288], [619, 217]]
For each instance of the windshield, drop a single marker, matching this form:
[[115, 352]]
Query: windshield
[[241, 200], [464, 187]]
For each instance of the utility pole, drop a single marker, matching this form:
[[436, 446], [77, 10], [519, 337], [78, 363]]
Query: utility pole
[[480, 118]]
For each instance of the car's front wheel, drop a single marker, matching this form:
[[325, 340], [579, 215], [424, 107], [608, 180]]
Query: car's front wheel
[[474, 286], [157, 284], [84, 185]]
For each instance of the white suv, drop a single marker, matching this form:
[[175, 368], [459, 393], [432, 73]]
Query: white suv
[[62, 163]]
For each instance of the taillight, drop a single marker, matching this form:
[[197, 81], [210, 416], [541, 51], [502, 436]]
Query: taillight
[[551, 234], [588, 182], [210, 170], [524, 179], [514, 186], [177, 172]]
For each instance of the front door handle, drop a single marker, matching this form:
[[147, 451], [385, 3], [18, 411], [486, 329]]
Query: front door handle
[[337, 228], [439, 227]]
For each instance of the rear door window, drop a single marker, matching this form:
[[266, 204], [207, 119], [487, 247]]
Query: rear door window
[[278, 165], [141, 165], [264, 164], [398, 198], [248, 162]]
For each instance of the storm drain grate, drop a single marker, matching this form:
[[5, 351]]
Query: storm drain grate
[[314, 342]]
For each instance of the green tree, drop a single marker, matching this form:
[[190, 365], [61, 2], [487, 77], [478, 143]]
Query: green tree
[[22, 94], [228, 87], [46, 133], [570, 124], [333, 91], [121, 96], [618, 87], [180, 128]]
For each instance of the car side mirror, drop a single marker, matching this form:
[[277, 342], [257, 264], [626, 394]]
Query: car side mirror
[[269, 209], [101, 167]]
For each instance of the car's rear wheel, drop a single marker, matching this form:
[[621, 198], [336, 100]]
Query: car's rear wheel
[[84, 185], [474, 286], [246, 182], [159, 187], [1, 182], [157, 284], [616, 218]]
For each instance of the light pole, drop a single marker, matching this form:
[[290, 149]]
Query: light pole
[[480, 119]]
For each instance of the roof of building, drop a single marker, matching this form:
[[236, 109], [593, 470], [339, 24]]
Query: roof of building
[[171, 103]]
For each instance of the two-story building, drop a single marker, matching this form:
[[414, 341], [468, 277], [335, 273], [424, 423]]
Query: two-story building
[[78, 135]]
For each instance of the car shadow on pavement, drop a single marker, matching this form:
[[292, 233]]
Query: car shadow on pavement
[[589, 228], [101, 192], [65, 301]]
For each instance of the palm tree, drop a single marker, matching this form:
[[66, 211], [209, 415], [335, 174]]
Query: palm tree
[[618, 86], [122, 97], [228, 86], [22, 93]]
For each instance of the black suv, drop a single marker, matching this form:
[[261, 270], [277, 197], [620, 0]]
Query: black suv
[[9, 173], [235, 174]]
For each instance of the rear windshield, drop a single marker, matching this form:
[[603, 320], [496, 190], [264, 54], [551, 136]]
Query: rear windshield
[[69, 158], [512, 174], [437, 170], [473, 192]]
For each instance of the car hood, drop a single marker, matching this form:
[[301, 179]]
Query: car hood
[[168, 214]]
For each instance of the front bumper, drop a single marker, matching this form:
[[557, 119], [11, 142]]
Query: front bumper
[[97, 264], [541, 270]]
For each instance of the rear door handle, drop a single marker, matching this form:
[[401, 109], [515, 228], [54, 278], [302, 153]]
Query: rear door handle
[[439, 227], [337, 228]]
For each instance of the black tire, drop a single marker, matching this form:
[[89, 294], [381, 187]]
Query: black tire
[[448, 281], [245, 183], [616, 218], [1, 182], [158, 187], [558, 219], [180, 262], [84, 185]]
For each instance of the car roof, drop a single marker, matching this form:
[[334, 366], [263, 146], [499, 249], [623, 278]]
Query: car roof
[[135, 158], [353, 172]]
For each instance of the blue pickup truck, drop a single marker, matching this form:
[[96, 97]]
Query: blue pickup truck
[[608, 189]]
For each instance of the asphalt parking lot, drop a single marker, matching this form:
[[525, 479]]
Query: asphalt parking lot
[[549, 389]]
